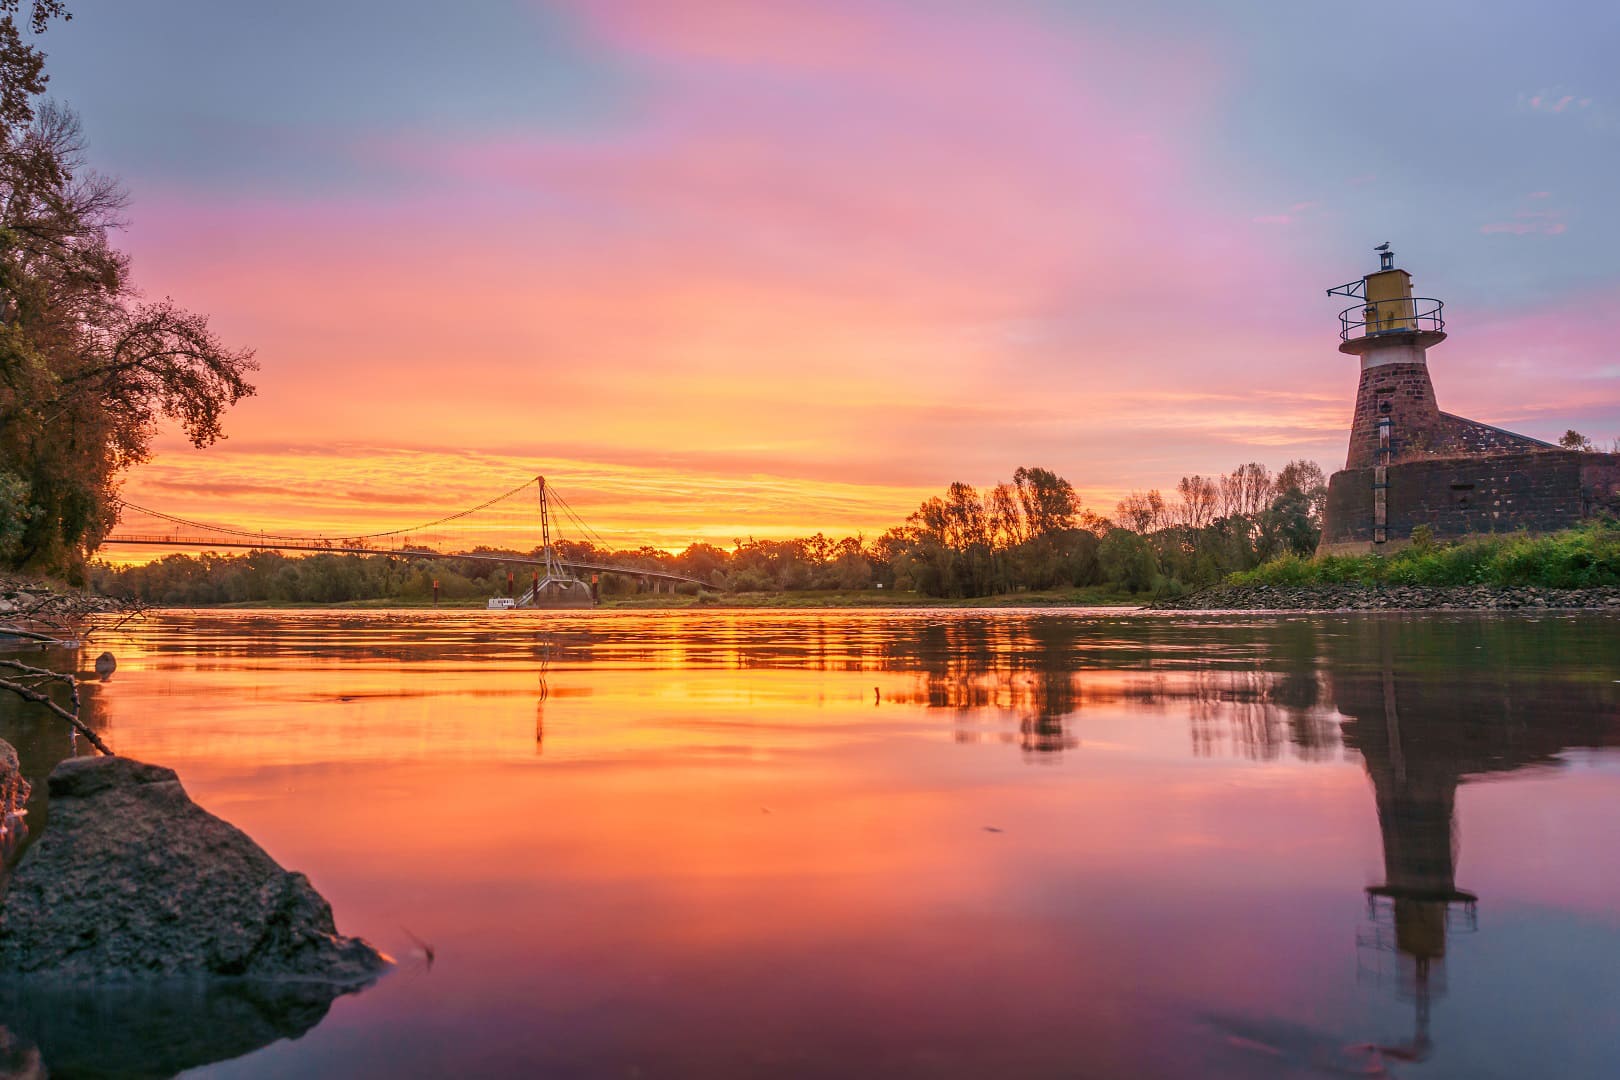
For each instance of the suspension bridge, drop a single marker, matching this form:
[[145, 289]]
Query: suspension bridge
[[497, 530]]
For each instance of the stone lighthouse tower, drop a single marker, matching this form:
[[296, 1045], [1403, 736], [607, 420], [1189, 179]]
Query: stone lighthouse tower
[[1391, 331], [1411, 465], [1396, 414]]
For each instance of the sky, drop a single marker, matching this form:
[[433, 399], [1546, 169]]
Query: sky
[[723, 268]]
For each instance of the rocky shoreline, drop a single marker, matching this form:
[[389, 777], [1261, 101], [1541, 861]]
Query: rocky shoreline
[[23, 600], [1392, 598]]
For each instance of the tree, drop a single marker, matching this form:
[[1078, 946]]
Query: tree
[[1199, 498], [1126, 558], [1287, 526], [88, 370], [1007, 522], [1246, 490], [849, 567], [1048, 501], [40, 12], [1141, 513], [1574, 440], [1307, 478], [700, 561]]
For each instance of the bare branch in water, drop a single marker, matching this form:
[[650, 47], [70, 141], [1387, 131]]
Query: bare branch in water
[[30, 635], [133, 609], [26, 686]]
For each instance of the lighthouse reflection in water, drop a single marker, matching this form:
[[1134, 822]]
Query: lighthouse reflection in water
[[915, 843]]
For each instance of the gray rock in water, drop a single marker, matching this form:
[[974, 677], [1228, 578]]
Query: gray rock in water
[[136, 1030], [133, 880], [14, 791]]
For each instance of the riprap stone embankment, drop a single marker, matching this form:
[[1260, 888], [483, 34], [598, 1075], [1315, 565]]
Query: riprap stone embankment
[[1391, 598]]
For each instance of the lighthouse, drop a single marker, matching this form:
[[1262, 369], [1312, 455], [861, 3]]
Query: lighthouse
[[1411, 465], [1391, 331], [1396, 414]]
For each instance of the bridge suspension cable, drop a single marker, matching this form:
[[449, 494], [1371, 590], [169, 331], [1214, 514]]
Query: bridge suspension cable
[[260, 534], [590, 534]]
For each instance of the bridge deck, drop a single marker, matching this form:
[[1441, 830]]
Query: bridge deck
[[158, 540]]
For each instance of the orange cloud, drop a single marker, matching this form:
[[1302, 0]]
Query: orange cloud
[[802, 279]]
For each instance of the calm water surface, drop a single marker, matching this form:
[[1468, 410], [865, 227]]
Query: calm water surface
[[879, 843]]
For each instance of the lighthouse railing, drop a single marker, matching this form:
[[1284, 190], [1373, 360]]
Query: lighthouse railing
[[1403, 315]]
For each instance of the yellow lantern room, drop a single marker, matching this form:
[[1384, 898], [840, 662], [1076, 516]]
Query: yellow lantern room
[[1389, 301], [1388, 314]]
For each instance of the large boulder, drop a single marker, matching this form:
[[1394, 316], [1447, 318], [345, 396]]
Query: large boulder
[[132, 880]]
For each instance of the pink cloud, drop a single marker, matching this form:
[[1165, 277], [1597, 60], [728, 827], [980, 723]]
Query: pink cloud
[[1552, 101], [1287, 217], [1527, 220], [809, 274], [1536, 370]]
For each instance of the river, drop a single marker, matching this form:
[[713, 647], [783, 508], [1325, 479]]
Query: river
[[899, 843]]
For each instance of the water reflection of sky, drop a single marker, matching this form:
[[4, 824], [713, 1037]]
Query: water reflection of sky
[[920, 843]]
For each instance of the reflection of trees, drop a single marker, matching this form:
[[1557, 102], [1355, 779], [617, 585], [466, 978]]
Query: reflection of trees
[[1041, 701], [1257, 714], [980, 667], [1253, 692]]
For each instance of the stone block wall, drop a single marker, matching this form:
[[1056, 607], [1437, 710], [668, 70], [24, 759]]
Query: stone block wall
[[1536, 491], [1600, 484], [1416, 423]]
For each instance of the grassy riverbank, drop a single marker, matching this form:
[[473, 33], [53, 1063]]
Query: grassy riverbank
[[1584, 558]]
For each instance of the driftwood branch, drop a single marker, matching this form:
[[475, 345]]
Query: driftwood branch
[[29, 635], [26, 687], [64, 618], [55, 619]]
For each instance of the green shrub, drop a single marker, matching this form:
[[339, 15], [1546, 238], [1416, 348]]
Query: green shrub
[[1583, 557]]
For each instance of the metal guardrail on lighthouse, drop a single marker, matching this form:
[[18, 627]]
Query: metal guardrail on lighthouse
[[1403, 315]]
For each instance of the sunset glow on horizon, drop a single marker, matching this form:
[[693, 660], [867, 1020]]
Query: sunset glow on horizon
[[723, 269]]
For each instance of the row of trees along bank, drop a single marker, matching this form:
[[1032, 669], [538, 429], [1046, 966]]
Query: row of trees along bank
[[88, 368], [1030, 533]]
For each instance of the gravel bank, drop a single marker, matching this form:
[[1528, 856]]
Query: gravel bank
[[1391, 598]]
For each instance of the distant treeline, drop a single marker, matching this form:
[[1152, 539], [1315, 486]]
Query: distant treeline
[[1030, 533]]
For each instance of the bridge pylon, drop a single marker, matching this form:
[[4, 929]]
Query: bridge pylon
[[558, 588]]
